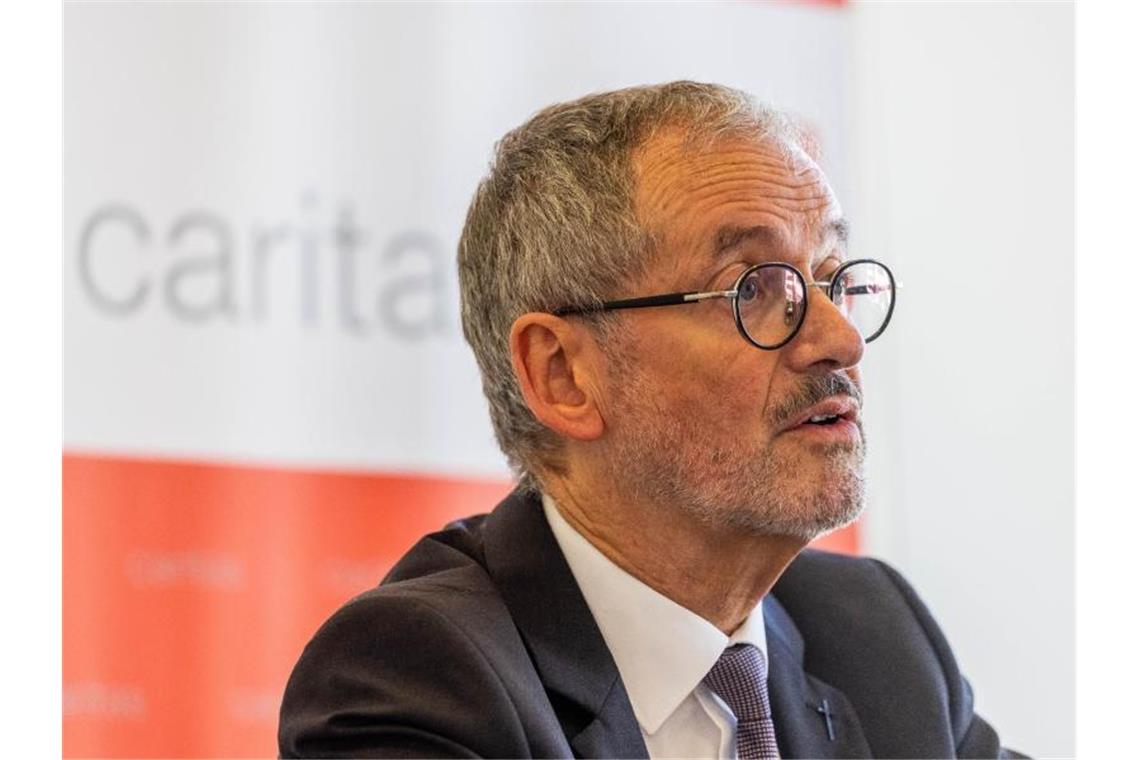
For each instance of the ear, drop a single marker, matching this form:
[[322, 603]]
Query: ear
[[551, 362]]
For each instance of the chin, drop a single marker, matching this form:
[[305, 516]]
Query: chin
[[805, 521], [768, 488], [799, 499]]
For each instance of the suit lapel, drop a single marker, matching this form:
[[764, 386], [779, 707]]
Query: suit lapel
[[614, 732], [569, 653], [798, 711]]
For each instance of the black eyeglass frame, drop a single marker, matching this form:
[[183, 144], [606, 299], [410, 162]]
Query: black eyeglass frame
[[690, 297]]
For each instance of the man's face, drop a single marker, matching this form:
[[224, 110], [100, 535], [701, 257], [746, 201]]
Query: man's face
[[700, 420]]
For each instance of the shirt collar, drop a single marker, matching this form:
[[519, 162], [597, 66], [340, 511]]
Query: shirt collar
[[662, 650]]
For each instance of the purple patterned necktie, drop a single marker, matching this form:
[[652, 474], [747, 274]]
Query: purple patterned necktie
[[740, 678]]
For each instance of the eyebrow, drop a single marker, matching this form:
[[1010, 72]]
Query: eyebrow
[[731, 237], [838, 230]]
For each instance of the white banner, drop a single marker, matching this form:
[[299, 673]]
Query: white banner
[[263, 203]]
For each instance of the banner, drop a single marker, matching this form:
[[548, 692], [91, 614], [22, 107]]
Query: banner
[[267, 397]]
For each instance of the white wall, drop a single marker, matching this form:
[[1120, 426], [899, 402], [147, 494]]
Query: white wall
[[962, 144]]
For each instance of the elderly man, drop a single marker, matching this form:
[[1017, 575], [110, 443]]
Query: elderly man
[[657, 289]]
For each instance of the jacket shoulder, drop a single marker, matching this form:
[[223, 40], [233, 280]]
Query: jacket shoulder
[[869, 602], [394, 672], [867, 632]]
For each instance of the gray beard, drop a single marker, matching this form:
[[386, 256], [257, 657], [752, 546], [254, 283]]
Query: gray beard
[[660, 460]]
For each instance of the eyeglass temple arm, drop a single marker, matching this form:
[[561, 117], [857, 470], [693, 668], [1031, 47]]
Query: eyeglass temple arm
[[859, 290], [668, 299], [674, 299]]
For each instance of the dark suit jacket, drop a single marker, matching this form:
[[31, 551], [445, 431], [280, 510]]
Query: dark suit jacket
[[479, 643]]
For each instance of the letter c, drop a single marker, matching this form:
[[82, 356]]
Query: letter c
[[130, 218]]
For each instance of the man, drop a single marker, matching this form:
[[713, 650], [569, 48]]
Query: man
[[657, 289]]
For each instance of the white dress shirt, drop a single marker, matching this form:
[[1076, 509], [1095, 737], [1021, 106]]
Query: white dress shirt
[[662, 650]]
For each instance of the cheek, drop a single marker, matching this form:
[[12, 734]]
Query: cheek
[[733, 395], [703, 375]]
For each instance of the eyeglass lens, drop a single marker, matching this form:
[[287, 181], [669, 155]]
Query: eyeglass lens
[[863, 293], [772, 300]]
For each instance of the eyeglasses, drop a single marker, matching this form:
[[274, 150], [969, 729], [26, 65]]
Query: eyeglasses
[[769, 301]]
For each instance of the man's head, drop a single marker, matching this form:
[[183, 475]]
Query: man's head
[[649, 190]]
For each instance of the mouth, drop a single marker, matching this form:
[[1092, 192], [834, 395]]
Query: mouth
[[834, 418]]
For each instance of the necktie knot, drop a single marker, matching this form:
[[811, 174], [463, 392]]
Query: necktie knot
[[740, 679]]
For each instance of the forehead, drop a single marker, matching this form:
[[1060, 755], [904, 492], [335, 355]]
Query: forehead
[[701, 203]]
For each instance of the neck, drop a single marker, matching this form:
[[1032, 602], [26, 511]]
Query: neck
[[720, 573]]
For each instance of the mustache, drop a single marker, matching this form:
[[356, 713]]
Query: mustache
[[811, 391]]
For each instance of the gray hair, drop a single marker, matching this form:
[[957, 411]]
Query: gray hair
[[553, 224]]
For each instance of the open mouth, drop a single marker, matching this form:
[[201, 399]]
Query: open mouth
[[823, 419], [835, 412]]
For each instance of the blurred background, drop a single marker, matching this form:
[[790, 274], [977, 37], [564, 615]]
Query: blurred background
[[267, 397]]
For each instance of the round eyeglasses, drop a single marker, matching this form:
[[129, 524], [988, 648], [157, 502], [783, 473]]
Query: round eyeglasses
[[769, 301]]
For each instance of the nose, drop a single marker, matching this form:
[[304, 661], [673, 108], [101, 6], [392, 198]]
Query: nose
[[827, 340]]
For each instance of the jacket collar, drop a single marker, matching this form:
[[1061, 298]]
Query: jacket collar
[[568, 650]]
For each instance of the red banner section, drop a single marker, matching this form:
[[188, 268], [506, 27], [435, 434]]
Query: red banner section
[[189, 590]]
